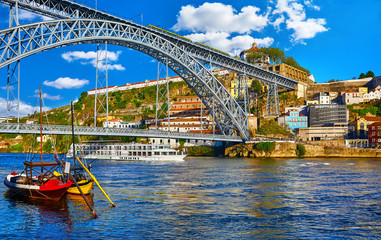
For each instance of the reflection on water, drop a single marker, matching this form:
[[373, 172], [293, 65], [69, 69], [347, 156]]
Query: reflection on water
[[213, 198]]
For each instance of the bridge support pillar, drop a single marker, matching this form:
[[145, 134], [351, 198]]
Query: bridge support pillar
[[162, 95], [243, 92], [13, 71], [101, 82], [272, 105]]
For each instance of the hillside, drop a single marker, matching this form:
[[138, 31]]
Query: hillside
[[129, 105]]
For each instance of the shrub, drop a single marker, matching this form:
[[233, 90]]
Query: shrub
[[18, 147], [265, 146], [201, 151], [300, 150]]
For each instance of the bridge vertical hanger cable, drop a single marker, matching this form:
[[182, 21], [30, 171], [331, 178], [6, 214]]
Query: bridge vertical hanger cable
[[13, 70]]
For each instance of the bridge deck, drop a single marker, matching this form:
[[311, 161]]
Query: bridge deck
[[100, 131]]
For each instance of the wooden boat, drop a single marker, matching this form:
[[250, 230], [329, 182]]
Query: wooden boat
[[85, 185], [84, 182], [44, 185]]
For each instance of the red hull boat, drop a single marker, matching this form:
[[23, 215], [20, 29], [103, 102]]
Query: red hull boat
[[46, 186]]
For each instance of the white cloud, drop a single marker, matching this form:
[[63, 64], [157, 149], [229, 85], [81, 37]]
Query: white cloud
[[304, 28], [310, 4], [217, 17], [222, 27], [29, 16], [234, 45], [67, 83], [25, 108], [47, 96], [278, 21], [91, 58]]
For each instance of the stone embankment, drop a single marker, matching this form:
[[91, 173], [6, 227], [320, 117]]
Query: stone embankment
[[288, 150]]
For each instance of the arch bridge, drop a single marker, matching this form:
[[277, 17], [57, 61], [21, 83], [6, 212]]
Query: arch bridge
[[186, 58]]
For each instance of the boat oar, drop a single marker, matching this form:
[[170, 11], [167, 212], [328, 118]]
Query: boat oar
[[95, 180], [79, 188]]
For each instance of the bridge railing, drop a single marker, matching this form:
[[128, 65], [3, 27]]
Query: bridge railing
[[100, 131]]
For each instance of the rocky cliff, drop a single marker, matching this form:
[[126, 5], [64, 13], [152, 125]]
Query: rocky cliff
[[288, 150]]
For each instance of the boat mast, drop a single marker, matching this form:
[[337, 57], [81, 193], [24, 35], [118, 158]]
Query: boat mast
[[72, 131], [41, 125]]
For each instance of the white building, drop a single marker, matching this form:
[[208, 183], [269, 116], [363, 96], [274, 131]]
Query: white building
[[323, 98], [118, 123], [311, 78], [102, 91], [146, 83]]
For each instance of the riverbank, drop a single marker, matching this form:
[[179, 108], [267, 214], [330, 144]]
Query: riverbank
[[288, 150]]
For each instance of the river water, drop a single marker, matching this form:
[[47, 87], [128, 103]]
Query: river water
[[208, 198]]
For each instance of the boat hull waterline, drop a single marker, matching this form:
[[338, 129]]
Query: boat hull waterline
[[51, 190]]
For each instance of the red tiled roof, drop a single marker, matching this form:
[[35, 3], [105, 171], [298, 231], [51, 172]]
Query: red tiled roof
[[187, 109], [372, 119], [179, 103], [103, 88]]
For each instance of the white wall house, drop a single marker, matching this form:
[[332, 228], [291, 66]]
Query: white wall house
[[353, 97], [118, 123], [323, 98], [146, 83]]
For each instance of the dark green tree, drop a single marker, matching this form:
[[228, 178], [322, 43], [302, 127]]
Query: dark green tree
[[256, 86], [369, 74], [362, 75]]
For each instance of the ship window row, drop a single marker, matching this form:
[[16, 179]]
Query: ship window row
[[116, 148]]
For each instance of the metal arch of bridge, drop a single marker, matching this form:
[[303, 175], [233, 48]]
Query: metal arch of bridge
[[99, 131], [25, 40], [64, 9]]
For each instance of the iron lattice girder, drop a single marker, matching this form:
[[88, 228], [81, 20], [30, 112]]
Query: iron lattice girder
[[24, 40], [99, 131], [67, 9]]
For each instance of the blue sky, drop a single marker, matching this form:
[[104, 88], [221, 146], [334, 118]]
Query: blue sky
[[334, 39]]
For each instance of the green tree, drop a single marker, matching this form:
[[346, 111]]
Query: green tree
[[362, 75], [83, 95], [47, 147], [256, 86], [291, 61], [332, 80], [275, 54], [370, 74]]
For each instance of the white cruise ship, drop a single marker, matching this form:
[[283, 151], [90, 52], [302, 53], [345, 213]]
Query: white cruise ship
[[126, 151]]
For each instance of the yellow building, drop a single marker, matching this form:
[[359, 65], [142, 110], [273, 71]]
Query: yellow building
[[103, 118], [293, 73], [234, 86], [360, 126], [288, 71], [363, 90], [310, 102]]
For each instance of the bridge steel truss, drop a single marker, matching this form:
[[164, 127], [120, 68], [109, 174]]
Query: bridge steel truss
[[64, 9], [25, 40], [100, 131]]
